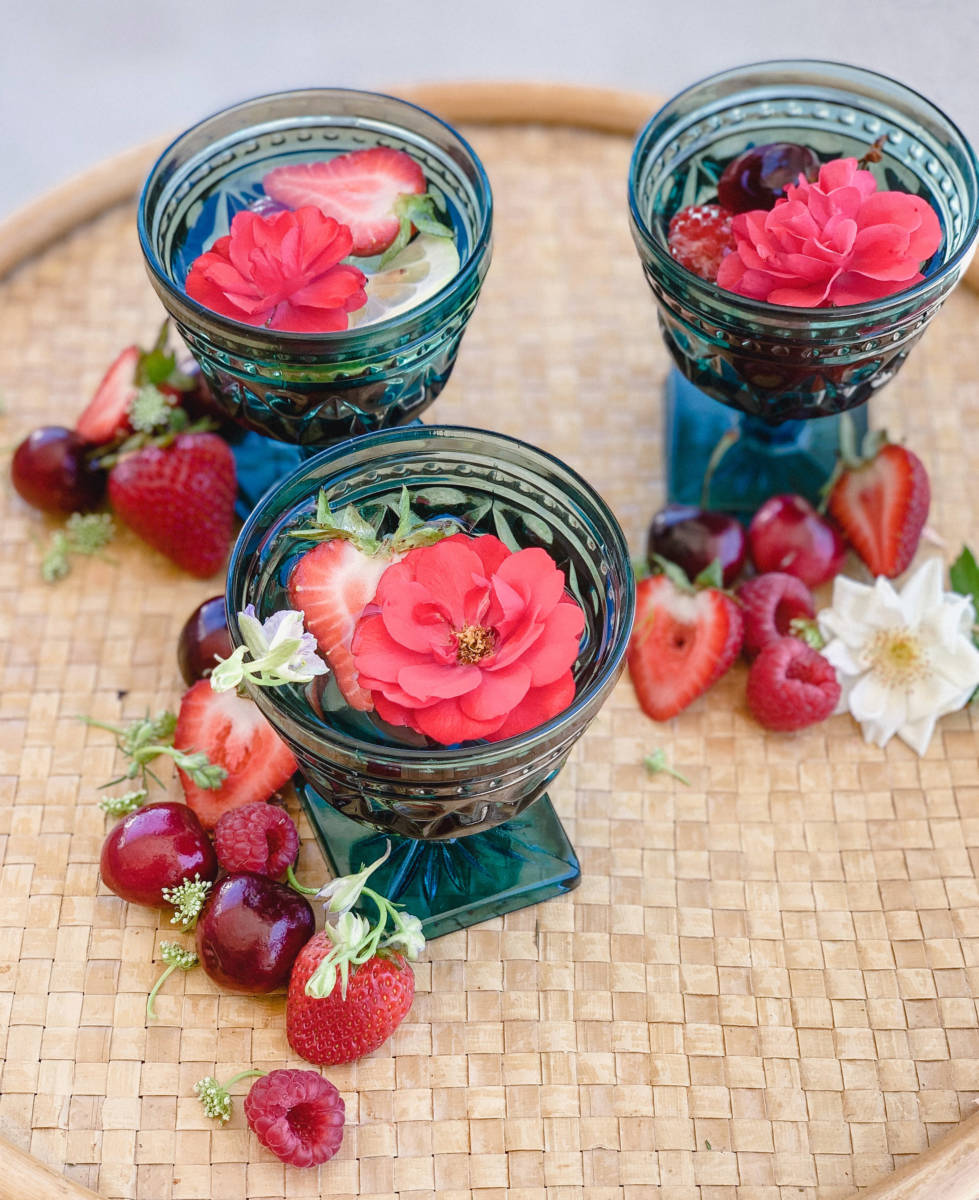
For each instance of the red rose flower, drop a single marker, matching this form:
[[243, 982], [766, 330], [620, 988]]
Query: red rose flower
[[281, 271], [837, 241], [466, 639]]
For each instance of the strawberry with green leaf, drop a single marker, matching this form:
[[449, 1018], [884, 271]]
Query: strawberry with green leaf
[[335, 581], [379, 194]]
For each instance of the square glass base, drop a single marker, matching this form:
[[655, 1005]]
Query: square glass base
[[764, 460], [450, 885]]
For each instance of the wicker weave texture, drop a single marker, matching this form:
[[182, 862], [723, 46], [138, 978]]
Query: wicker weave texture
[[764, 987]]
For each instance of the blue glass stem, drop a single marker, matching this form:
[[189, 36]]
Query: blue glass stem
[[458, 882], [763, 460]]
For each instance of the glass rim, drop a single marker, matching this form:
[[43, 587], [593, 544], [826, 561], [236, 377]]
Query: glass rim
[[780, 313], [333, 341], [443, 757]]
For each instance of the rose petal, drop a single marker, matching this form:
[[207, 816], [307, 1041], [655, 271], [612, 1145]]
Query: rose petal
[[540, 705], [557, 647], [431, 681], [446, 723], [498, 692]]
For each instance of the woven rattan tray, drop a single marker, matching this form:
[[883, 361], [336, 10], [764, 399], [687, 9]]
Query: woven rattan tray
[[764, 987]]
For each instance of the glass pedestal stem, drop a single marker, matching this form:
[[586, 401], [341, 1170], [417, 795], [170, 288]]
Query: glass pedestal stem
[[762, 460], [459, 882]]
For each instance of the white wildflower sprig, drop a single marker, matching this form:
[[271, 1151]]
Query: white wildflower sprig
[[280, 650], [215, 1097], [355, 939], [84, 533], [177, 958], [188, 899]]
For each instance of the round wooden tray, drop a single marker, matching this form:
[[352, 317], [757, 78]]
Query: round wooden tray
[[765, 986]]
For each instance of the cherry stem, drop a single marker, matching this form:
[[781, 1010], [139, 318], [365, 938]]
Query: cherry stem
[[294, 883], [724, 443]]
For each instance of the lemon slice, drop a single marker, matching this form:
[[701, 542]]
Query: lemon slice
[[424, 266]]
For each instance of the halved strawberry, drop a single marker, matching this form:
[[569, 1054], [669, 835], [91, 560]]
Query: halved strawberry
[[881, 503], [683, 642], [107, 414], [233, 734], [332, 585], [360, 190]]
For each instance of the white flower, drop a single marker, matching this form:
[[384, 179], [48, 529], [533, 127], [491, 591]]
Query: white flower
[[407, 936], [903, 659], [281, 649], [342, 893]]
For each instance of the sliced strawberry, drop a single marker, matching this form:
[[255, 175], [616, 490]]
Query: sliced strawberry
[[107, 415], [180, 498], [882, 505], [359, 190], [233, 734], [682, 643], [332, 585]]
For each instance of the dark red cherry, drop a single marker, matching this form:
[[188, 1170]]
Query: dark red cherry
[[694, 538], [50, 470], [787, 534], [157, 846], [204, 637], [757, 178], [250, 932]]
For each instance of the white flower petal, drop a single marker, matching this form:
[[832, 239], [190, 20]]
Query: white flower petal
[[958, 665], [917, 734], [871, 699], [931, 694], [923, 591], [842, 658]]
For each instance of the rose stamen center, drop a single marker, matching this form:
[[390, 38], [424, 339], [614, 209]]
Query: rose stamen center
[[473, 644], [896, 657]]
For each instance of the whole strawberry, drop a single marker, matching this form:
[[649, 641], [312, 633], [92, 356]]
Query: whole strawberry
[[341, 1027], [880, 500], [351, 985], [180, 498]]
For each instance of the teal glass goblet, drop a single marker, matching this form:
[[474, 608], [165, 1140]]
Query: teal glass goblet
[[473, 834], [786, 372], [311, 389]]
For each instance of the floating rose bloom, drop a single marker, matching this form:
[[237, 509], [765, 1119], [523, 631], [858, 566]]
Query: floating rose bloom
[[282, 271], [833, 242], [467, 639]]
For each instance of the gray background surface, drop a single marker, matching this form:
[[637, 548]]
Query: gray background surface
[[83, 79]]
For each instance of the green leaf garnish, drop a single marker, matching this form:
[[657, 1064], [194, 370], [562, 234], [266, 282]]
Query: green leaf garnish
[[712, 576], [656, 764], [122, 806], [349, 524], [146, 739], [84, 533], [963, 575], [414, 212]]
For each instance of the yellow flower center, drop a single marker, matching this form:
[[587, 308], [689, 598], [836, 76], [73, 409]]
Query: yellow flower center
[[473, 644], [896, 657]]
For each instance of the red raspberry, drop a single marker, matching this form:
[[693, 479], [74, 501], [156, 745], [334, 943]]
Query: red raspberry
[[770, 603], [699, 237], [298, 1115], [790, 685], [256, 837]]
